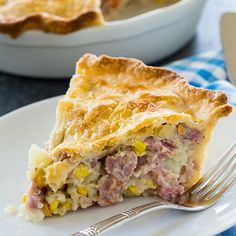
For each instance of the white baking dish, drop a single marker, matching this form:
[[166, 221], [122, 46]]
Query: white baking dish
[[150, 37]]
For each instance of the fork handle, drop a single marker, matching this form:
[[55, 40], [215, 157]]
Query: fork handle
[[124, 217]]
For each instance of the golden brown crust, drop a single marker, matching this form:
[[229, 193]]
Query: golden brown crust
[[89, 15], [215, 101], [112, 100]]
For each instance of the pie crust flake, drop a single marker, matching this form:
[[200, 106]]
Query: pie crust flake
[[55, 16], [122, 129]]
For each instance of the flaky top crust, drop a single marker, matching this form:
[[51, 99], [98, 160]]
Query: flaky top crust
[[55, 16], [112, 100]]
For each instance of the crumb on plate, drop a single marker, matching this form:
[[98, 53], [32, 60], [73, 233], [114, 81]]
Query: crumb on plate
[[10, 210]]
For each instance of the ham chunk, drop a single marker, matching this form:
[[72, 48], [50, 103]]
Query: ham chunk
[[156, 151], [141, 161], [63, 156], [121, 167], [110, 191], [162, 148], [169, 187], [193, 135], [33, 196]]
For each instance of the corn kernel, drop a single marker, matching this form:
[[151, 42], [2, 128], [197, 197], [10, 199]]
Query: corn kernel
[[81, 171], [155, 185], [82, 191], [46, 210], [150, 184], [157, 130], [24, 198], [181, 130], [38, 177], [67, 205], [139, 146], [133, 189], [54, 205]]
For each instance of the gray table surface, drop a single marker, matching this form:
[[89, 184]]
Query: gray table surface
[[16, 91]]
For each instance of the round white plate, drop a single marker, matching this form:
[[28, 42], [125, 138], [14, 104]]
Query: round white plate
[[32, 124]]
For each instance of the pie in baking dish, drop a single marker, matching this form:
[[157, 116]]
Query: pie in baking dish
[[122, 129], [65, 16]]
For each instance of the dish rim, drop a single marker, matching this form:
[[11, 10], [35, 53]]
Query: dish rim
[[34, 38]]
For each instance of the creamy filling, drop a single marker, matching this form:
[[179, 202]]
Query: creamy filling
[[122, 9], [150, 166]]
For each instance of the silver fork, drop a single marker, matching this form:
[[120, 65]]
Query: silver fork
[[205, 193]]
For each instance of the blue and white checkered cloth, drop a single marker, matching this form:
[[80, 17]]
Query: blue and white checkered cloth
[[208, 70]]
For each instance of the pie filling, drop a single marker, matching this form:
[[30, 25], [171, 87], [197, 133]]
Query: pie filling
[[160, 164], [122, 9]]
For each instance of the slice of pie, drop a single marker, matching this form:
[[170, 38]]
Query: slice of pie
[[122, 129], [56, 16]]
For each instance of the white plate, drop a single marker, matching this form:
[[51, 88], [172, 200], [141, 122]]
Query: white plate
[[149, 37], [32, 124]]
